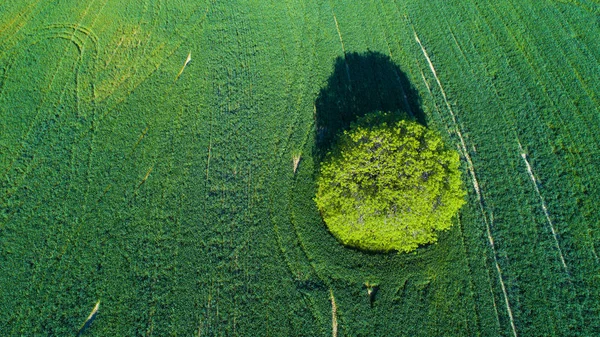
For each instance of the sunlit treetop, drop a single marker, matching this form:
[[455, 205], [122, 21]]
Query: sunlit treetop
[[389, 186]]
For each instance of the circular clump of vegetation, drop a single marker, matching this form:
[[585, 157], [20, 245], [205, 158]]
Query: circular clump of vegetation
[[389, 186]]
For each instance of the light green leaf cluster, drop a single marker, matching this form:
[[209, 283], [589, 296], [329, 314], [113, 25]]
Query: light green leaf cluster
[[389, 188]]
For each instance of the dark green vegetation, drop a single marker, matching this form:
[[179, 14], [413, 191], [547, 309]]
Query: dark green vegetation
[[175, 203], [388, 185]]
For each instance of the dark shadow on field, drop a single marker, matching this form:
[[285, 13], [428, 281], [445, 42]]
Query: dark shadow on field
[[362, 83]]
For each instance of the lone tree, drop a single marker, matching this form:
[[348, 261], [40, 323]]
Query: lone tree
[[389, 185]]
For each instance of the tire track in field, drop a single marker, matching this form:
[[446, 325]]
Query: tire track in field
[[337, 27], [99, 114], [89, 34], [534, 180], [295, 80], [461, 150], [475, 182], [19, 152], [87, 31], [76, 69], [152, 309], [493, 85], [77, 64], [506, 112], [76, 28], [523, 155], [249, 127], [164, 164], [295, 99], [80, 45], [553, 102], [156, 304], [522, 152], [445, 125]]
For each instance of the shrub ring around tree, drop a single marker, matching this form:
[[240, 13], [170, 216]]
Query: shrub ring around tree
[[389, 186]]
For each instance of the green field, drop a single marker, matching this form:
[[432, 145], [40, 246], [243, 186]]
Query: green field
[[168, 191]]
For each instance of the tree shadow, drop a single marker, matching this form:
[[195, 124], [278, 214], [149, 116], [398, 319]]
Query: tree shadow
[[362, 83]]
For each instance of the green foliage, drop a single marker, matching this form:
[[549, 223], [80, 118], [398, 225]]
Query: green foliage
[[389, 186]]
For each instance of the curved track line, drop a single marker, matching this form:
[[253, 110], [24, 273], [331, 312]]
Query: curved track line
[[80, 47], [534, 180], [77, 63]]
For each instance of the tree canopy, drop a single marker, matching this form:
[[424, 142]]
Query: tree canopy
[[389, 186]]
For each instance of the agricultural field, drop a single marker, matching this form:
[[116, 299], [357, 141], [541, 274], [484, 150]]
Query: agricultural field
[[160, 157]]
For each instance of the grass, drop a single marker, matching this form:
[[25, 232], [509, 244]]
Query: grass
[[174, 203]]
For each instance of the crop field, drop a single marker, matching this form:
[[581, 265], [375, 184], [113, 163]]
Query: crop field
[[160, 157]]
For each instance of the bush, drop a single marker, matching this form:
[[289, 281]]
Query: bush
[[389, 186]]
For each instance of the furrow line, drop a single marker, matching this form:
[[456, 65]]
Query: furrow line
[[534, 180], [337, 27], [334, 320]]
